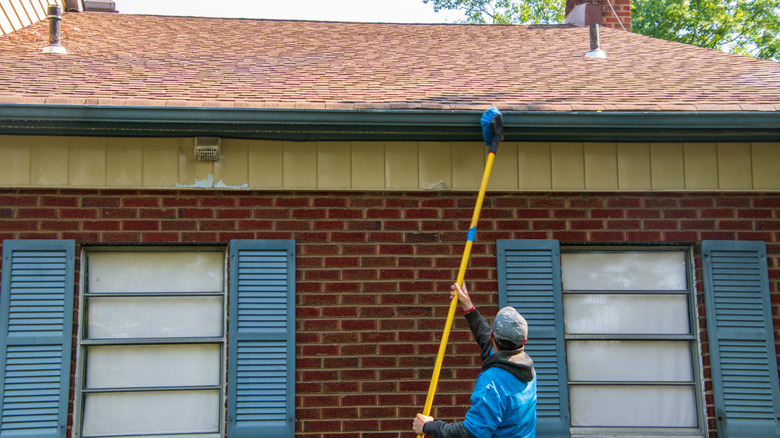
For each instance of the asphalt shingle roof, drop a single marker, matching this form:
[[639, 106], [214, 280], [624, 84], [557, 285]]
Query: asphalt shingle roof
[[137, 60]]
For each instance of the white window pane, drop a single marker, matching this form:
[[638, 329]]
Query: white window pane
[[155, 272], [637, 361], [645, 270], [626, 314], [151, 412], [154, 317], [153, 365], [632, 406]]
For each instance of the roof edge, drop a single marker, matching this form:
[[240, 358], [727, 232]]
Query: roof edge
[[384, 125]]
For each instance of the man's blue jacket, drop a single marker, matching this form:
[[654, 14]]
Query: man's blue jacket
[[503, 404]]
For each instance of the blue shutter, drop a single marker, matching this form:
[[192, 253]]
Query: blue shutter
[[36, 313], [741, 338], [529, 275], [261, 332]]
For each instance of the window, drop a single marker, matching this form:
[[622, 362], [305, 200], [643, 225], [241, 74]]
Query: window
[[152, 340], [613, 330], [630, 341], [152, 343]]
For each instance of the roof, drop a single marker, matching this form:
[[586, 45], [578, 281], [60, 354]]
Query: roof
[[188, 62]]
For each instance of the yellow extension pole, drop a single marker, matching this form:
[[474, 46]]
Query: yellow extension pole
[[461, 274]]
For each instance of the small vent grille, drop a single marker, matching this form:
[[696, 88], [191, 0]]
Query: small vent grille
[[208, 148]]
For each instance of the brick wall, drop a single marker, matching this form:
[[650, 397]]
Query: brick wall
[[374, 269]]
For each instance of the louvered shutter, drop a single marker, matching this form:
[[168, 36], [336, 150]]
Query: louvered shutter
[[36, 313], [741, 339], [530, 280], [261, 332]]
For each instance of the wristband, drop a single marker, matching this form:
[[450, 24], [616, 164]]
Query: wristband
[[469, 311]]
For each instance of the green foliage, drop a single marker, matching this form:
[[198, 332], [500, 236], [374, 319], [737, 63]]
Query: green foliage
[[505, 11], [748, 27]]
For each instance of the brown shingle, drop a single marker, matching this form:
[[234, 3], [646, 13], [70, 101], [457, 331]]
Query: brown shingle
[[197, 62]]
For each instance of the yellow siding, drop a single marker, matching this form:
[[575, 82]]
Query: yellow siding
[[161, 162], [97, 162], [368, 165], [701, 166], [300, 165], [766, 166], [568, 166], [265, 164], [503, 175], [534, 166], [87, 162], [232, 170], [401, 166], [15, 156], [49, 161], [734, 166], [124, 162], [436, 166], [601, 170], [667, 166], [633, 161], [334, 165]]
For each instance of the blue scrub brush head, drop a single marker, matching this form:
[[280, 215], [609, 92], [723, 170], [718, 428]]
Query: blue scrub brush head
[[492, 127]]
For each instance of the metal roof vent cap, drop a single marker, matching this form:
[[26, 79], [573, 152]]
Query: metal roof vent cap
[[208, 148], [54, 14], [595, 43]]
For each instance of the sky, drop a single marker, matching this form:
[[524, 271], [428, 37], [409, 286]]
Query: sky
[[385, 11]]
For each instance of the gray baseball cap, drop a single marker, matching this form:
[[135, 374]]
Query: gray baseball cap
[[510, 329]]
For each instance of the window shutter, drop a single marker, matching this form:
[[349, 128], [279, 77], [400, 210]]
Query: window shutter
[[530, 280], [261, 332], [36, 312], [741, 338]]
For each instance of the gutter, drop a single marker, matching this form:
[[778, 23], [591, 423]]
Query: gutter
[[385, 125]]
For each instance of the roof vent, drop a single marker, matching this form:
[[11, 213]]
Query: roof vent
[[54, 14], [595, 43], [208, 148], [99, 6]]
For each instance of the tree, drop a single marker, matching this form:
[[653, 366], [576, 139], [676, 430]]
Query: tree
[[505, 11], [747, 27]]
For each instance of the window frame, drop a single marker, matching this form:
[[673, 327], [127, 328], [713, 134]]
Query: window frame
[[82, 344], [694, 338]]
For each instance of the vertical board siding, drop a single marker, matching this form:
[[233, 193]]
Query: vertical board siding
[[261, 346], [530, 280], [739, 323], [261, 164], [36, 316]]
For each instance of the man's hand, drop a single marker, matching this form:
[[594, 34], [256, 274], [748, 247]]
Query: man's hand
[[463, 296], [419, 422]]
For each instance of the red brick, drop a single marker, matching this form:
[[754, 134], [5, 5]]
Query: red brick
[[196, 213], [120, 237], [179, 202], [140, 202], [36, 213], [680, 214], [18, 201], [223, 201], [118, 213], [78, 213], [292, 202], [160, 237], [59, 225], [155, 213], [100, 202], [141, 225], [343, 213]]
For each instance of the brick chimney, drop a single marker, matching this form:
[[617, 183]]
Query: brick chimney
[[613, 13]]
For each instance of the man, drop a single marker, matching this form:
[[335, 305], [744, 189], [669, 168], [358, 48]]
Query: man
[[503, 404]]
